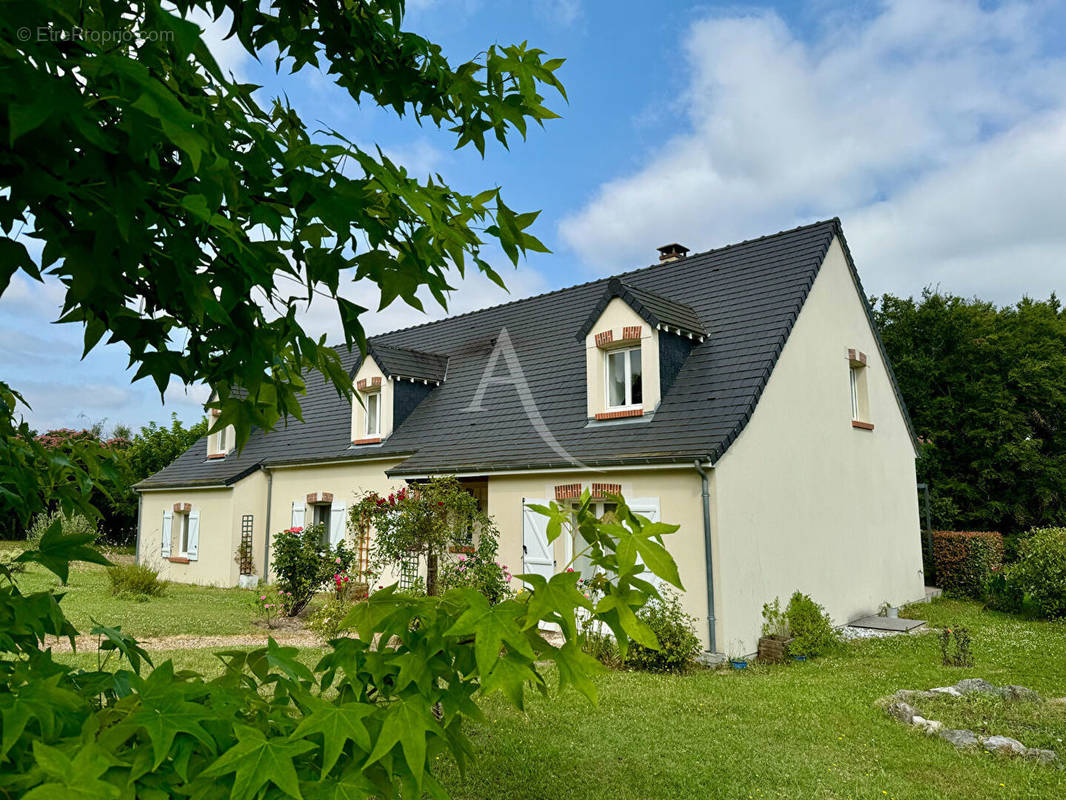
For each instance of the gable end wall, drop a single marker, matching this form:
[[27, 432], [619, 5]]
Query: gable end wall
[[804, 501]]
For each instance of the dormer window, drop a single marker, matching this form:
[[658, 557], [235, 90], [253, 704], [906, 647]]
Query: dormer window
[[222, 441], [635, 344], [390, 383], [624, 386]]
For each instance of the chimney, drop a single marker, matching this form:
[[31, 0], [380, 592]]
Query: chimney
[[672, 252]]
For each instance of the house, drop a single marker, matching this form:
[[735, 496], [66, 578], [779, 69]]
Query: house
[[742, 393]]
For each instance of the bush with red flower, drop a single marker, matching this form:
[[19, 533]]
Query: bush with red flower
[[304, 565]]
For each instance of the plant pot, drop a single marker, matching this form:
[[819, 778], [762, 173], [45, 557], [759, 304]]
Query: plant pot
[[738, 663], [773, 649], [893, 613]]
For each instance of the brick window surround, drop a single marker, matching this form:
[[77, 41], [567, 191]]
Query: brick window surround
[[630, 334], [319, 497], [365, 384], [601, 490], [182, 508], [628, 412], [856, 357], [368, 440], [568, 491]]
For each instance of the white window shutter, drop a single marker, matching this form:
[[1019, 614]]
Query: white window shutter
[[194, 535], [337, 523], [297, 515], [168, 524], [647, 507]]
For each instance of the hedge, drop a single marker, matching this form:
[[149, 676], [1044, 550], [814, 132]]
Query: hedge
[[966, 560]]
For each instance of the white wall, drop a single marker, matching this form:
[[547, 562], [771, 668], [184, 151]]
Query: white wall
[[802, 500]]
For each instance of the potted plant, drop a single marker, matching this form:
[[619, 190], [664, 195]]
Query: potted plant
[[888, 610], [776, 634], [736, 657]]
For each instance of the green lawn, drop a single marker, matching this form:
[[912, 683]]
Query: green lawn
[[184, 609], [801, 731]]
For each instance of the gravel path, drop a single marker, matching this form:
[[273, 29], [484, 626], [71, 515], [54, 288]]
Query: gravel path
[[88, 644]]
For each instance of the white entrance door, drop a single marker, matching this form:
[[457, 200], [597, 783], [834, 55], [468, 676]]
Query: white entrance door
[[537, 554], [648, 507]]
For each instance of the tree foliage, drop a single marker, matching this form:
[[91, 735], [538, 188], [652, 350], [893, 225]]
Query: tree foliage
[[985, 389], [188, 217], [369, 720]]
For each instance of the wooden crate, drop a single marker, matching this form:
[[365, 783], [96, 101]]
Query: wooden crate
[[773, 650]]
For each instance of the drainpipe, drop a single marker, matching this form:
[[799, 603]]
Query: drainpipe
[[266, 527], [712, 644]]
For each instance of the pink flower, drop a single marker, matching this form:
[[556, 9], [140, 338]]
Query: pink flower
[[263, 597], [462, 557], [337, 561], [569, 569]]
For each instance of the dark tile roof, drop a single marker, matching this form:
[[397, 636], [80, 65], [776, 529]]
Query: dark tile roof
[[745, 296], [403, 362], [654, 309]]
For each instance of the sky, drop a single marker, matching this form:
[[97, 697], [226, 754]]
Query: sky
[[935, 130]]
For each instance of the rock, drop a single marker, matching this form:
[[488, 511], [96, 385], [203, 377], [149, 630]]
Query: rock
[[1041, 756], [912, 695], [947, 690], [1004, 745], [927, 726], [1014, 692], [959, 738], [1059, 701], [972, 685], [901, 711]]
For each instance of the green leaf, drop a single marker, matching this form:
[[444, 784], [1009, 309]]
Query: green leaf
[[555, 600], [492, 627], [407, 722], [55, 551], [338, 725], [257, 761], [115, 639]]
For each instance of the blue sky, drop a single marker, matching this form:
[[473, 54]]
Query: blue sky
[[936, 130]]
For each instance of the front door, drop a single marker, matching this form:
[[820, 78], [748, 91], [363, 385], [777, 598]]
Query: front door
[[537, 553]]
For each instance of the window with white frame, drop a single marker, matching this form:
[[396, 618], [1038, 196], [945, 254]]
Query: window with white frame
[[183, 535], [373, 414], [860, 393], [623, 376], [320, 515]]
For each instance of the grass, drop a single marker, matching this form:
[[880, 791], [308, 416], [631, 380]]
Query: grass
[[803, 730], [183, 609], [202, 660]]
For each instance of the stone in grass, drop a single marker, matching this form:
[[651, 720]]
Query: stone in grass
[[975, 685], [1041, 756], [1004, 745], [910, 695], [1014, 692], [959, 738], [901, 711], [949, 690], [928, 726]]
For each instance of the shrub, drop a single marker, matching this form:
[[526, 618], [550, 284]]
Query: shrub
[[811, 628], [326, 621], [1038, 577], [270, 603], [775, 623], [73, 524], [966, 560], [303, 565], [478, 569], [136, 581], [955, 648], [676, 631]]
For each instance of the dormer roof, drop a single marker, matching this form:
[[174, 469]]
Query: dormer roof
[[658, 311], [403, 363]]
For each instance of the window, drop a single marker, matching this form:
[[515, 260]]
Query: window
[[373, 414], [860, 396], [320, 515], [624, 378], [223, 446], [184, 535]]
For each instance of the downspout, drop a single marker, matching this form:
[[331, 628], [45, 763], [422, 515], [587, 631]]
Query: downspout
[[708, 558], [266, 527], [140, 505]]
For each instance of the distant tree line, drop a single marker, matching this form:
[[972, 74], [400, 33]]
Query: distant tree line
[[986, 390], [130, 458]]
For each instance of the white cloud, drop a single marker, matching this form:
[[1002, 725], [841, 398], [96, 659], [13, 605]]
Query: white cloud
[[881, 121]]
